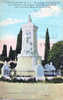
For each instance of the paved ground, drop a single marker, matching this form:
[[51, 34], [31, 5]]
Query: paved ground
[[34, 91]]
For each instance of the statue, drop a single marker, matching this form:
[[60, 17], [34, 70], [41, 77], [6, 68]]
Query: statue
[[6, 70]]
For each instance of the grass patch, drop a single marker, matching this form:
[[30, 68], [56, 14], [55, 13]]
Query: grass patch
[[55, 80]]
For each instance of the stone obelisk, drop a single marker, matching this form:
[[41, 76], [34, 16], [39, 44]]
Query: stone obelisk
[[28, 58]]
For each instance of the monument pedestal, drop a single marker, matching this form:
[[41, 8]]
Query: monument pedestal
[[26, 66]]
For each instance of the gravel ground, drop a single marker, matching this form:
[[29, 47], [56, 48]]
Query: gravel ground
[[31, 91]]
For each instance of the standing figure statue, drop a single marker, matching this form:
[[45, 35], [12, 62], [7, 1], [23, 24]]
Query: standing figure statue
[[5, 71]]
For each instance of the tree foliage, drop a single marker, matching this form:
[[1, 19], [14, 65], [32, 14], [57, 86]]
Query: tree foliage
[[56, 53], [19, 42], [47, 46], [12, 54], [4, 53]]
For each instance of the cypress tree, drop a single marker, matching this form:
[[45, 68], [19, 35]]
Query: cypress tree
[[19, 42], [4, 51], [10, 53], [47, 46]]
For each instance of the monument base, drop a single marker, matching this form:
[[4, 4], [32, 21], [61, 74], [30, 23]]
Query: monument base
[[25, 66]]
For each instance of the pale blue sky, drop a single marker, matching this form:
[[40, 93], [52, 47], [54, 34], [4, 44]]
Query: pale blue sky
[[11, 20]]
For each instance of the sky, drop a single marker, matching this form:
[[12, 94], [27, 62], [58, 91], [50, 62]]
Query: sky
[[46, 14]]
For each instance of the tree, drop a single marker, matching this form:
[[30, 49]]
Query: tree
[[10, 53], [47, 46], [19, 42], [56, 54], [4, 52]]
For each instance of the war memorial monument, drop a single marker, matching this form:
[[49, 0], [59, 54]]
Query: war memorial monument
[[29, 58]]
